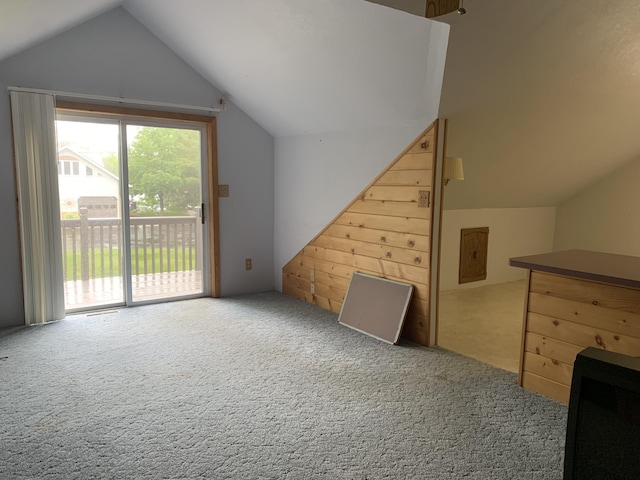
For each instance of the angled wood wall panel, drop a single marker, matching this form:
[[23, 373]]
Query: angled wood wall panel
[[383, 232]]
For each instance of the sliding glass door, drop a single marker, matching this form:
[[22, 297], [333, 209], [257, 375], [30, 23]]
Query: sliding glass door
[[165, 211], [131, 198]]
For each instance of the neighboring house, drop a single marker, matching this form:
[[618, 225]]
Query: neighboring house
[[81, 177]]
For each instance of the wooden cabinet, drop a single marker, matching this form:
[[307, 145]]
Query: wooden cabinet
[[576, 299]]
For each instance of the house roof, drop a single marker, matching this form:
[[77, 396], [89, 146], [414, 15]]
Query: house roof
[[542, 96], [69, 150]]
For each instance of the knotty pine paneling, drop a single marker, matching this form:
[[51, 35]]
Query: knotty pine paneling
[[389, 208], [407, 177], [549, 368], [583, 335], [384, 251], [586, 313], [392, 224], [382, 237], [555, 390], [387, 193], [413, 161], [564, 352], [564, 315], [382, 232], [596, 294]]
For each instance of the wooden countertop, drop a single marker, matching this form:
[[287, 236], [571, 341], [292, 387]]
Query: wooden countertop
[[596, 266]]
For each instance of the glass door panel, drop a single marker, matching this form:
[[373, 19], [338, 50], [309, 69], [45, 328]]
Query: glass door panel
[[90, 206], [164, 178]]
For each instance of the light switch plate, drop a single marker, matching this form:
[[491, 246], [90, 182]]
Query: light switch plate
[[423, 198], [223, 190]]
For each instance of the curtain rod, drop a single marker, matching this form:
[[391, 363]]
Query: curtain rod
[[130, 101]]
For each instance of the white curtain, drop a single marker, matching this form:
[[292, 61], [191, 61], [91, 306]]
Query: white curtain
[[34, 140]]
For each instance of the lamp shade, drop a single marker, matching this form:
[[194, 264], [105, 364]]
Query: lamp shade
[[453, 169]]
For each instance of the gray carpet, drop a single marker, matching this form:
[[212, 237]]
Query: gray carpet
[[258, 387]]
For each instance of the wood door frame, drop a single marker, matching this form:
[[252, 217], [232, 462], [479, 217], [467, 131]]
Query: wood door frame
[[210, 124], [436, 226]]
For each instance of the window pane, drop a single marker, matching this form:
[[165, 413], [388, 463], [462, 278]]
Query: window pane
[[91, 238]]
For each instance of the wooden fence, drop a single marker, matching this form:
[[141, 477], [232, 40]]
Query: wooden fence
[[92, 247]]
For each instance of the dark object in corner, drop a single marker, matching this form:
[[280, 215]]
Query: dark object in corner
[[436, 8], [603, 423]]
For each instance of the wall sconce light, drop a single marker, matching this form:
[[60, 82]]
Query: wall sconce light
[[453, 169]]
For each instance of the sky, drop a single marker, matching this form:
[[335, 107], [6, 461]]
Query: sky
[[93, 139]]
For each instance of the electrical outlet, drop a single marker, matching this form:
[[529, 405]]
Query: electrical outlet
[[247, 264]]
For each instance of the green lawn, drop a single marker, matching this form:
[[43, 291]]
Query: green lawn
[[106, 263]]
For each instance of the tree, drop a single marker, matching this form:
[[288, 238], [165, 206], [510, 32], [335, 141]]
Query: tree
[[111, 162], [164, 168]]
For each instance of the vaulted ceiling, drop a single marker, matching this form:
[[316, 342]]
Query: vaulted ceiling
[[305, 66], [542, 96], [295, 66]]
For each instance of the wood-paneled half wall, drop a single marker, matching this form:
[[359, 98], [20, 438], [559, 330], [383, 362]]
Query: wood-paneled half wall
[[385, 231], [564, 315]]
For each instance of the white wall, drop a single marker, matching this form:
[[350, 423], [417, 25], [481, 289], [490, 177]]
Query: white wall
[[115, 55], [605, 216], [318, 175], [513, 232]]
